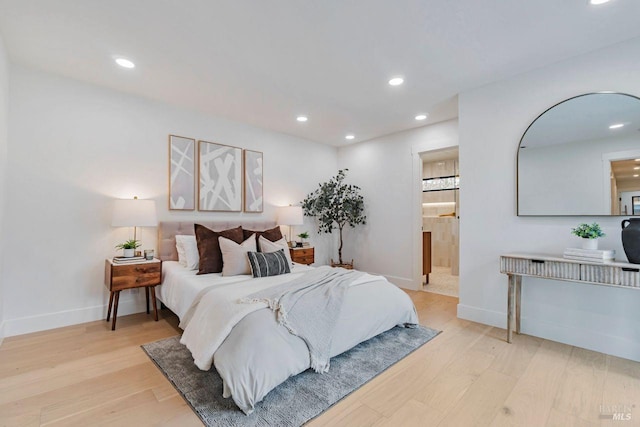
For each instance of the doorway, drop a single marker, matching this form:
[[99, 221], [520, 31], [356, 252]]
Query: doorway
[[440, 203]]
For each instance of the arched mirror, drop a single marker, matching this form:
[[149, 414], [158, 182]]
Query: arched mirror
[[582, 157]]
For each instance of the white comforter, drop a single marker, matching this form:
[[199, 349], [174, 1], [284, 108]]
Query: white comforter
[[253, 354]]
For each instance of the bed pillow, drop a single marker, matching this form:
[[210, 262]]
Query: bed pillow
[[209, 247], [273, 234], [267, 247], [187, 248], [264, 264], [234, 256]]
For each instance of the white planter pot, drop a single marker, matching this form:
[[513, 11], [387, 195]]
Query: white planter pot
[[591, 244], [128, 253]]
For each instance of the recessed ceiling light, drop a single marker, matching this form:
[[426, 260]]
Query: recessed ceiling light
[[635, 176], [396, 81], [616, 126], [125, 63], [637, 160], [350, 136], [597, 2], [302, 118], [637, 168], [421, 117]]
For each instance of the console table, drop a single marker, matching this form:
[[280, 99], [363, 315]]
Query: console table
[[515, 266]]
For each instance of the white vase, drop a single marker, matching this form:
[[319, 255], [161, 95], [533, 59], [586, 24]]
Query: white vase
[[590, 244], [128, 253]]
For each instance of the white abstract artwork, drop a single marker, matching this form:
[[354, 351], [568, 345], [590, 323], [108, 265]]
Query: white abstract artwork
[[182, 189], [253, 181], [220, 173]]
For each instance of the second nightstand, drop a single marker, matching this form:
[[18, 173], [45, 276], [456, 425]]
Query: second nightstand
[[117, 277], [302, 255]]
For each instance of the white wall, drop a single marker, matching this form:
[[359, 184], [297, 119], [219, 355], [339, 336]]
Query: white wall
[[492, 120], [4, 106], [389, 171], [74, 148]]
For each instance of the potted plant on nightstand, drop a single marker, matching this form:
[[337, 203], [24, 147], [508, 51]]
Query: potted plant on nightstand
[[129, 247], [590, 234], [336, 204], [302, 236]]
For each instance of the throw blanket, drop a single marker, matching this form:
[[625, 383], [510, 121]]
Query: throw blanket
[[216, 311], [309, 308]]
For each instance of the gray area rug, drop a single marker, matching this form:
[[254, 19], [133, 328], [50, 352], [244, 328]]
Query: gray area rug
[[298, 399]]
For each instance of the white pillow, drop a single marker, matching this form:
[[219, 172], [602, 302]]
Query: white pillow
[[268, 246], [234, 256], [187, 248]]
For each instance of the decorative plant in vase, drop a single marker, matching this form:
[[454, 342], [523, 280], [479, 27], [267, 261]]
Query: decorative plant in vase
[[590, 234], [302, 236], [336, 204], [129, 247]]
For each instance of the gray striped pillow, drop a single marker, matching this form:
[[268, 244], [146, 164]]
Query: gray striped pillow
[[265, 264]]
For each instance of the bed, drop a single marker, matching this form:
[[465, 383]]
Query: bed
[[251, 351]]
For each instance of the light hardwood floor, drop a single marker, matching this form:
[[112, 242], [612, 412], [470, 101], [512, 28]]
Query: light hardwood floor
[[468, 375]]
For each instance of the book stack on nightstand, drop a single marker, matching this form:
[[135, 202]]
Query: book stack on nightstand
[[127, 260]]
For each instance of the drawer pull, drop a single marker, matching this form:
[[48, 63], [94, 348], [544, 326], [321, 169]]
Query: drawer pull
[[634, 270], [537, 261]]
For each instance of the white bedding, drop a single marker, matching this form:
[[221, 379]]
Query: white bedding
[[180, 286], [251, 352]]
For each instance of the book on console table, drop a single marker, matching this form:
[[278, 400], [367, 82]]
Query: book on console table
[[587, 259], [594, 254]]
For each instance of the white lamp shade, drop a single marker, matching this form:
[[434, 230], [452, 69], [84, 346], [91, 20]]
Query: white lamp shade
[[134, 213], [290, 215]]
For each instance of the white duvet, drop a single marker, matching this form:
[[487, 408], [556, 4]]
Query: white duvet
[[253, 354]]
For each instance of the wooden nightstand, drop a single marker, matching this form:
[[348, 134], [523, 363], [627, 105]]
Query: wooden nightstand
[[302, 255], [143, 274]]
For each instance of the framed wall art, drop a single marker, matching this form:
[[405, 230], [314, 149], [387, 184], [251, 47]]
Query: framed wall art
[[253, 174], [219, 177], [182, 177]]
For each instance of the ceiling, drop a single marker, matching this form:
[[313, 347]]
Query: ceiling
[[264, 62]]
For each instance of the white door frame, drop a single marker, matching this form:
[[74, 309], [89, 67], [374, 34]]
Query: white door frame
[[431, 146]]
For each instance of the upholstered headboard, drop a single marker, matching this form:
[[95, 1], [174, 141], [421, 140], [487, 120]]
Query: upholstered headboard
[[167, 232]]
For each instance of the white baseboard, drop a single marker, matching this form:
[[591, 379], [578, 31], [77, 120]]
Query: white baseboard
[[579, 337], [1, 332], [402, 282], [481, 315], [43, 322]]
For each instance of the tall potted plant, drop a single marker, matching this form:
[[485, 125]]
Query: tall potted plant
[[336, 204]]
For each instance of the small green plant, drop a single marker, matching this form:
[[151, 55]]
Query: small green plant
[[129, 244], [304, 235], [588, 231]]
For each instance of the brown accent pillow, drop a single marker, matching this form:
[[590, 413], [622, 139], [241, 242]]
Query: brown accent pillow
[[209, 247], [273, 234]]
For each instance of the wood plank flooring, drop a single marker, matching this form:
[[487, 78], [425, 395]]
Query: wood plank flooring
[[467, 376]]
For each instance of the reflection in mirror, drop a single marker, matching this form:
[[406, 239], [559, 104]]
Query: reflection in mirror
[[582, 157]]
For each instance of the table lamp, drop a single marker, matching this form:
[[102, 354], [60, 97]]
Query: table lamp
[[134, 213], [290, 216]]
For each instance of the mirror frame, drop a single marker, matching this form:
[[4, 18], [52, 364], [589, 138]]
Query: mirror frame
[[518, 158]]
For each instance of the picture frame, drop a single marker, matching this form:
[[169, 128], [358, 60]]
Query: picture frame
[[182, 176], [219, 177], [253, 181]]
